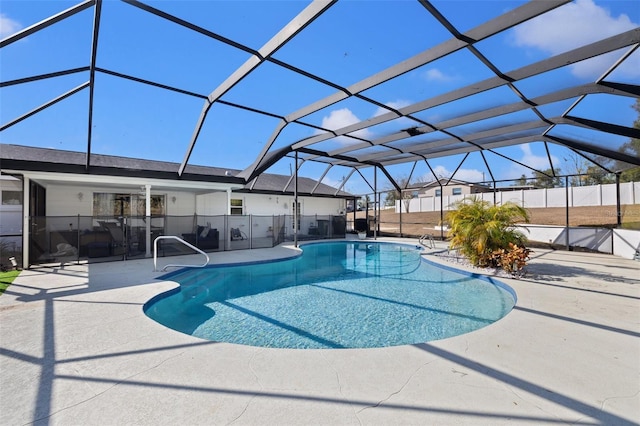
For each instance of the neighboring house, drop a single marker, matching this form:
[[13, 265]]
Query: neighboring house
[[454, 187], [60, 203]]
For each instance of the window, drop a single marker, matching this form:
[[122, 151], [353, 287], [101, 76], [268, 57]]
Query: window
[[457, 191], [108, 204], [438, 192], [11, 198], [237, 206]]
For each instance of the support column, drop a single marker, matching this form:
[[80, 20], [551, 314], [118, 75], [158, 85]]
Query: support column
[[26, 222], [618, 206], [375, 202], [355, 212], [566, 190], [441, 211], [147, 216], [400, 215], [295, 204], [495, 188], [227, 233]]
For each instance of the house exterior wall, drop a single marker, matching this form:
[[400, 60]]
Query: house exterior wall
[[215, 203], [65, 200], [73, 200], [211, 204], [184, 204]]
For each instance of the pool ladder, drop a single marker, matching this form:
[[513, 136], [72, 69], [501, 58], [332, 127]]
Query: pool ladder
[[430, 241], [173, 237]]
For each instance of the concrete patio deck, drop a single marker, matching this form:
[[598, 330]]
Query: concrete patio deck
[[76, 349]]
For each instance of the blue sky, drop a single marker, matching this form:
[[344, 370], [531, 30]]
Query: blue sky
[[353, 40]]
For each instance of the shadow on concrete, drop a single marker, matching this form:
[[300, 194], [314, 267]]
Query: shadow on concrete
[[597, 414]]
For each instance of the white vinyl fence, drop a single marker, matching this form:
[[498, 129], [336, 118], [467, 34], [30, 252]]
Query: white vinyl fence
[[595, 195]]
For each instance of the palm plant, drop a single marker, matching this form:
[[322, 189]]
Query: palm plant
[[478, 229]]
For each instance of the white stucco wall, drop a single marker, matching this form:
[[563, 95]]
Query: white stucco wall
[[73, 200], [211, 204], [215, 203], [184, 204], [64, 200]]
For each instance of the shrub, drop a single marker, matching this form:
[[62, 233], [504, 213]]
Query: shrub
[[479, 229], [512, 259]]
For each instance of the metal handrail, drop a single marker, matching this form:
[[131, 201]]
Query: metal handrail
[[428, 237], [173, 237]]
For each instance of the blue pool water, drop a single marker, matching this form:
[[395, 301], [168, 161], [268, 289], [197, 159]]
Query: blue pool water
[[335, 295]]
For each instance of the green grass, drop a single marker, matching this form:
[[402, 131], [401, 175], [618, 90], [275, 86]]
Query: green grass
[[6, 278]]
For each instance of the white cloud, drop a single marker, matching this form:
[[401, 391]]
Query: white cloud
[[538, 162], [8, 26], [434, 74], [340, 118], [573, 25], [469, 175]]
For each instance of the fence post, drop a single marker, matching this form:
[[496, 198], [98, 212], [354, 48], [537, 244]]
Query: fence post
[[400, 214], [618, 208], [227, 233], [566, 190]]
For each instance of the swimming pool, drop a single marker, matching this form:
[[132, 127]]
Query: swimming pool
[[335, 295]]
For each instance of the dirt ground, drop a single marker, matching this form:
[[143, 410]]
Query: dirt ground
[[416, 224]]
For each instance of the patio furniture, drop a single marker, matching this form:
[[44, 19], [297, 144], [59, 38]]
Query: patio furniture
[[96, 243], [203, 240], [118, 235]]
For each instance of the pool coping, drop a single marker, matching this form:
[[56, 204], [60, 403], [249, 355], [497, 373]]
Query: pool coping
[[77, 349]]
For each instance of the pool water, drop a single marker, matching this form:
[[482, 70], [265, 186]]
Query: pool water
[[335, 295]]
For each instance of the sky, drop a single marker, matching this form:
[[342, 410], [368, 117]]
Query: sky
[[350, 42]]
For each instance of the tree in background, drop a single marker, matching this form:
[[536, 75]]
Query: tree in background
[[405, 196], [586, 172], [547, 178], [577, 166], [391, 198], [632, 147], [597, 176], [522, 181]]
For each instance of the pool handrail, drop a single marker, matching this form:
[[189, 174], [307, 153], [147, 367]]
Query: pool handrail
[[173, 237], [429, 238]]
